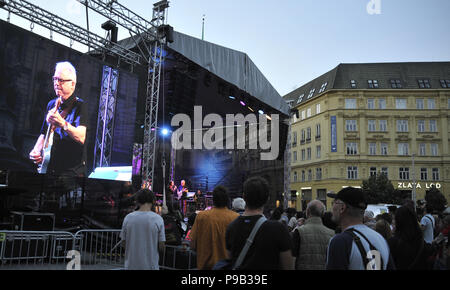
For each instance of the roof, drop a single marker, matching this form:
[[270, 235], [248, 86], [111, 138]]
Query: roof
[[401, 75], [230, 65]]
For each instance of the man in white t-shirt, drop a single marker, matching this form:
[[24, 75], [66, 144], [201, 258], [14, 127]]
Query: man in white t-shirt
[[143, 234], [427, 222]]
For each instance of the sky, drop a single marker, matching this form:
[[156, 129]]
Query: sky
[[291, 41]]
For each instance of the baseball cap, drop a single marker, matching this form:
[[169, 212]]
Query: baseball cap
[[352, 196]]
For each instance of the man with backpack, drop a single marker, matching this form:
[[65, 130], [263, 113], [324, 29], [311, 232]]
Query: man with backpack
[[272, 245], [357, 247]]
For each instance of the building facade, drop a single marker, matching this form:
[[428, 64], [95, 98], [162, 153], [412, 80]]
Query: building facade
[[359, 120]]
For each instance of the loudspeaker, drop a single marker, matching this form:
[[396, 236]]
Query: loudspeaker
[[33, 221]]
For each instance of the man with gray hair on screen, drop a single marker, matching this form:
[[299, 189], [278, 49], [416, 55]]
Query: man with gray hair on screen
[[64, 128]]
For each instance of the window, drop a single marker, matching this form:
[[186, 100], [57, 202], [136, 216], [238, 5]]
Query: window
[[421, 125], [372, 148], [303, 115], [300, 99], [403, 149], [384, 170], [318, 151], [308, 134], [351, 125], [383, 125], [423, 174], [435, 174], [290, 103], [323, 87], [448, 104], [372, 125], [433, 126], [422, 149], [403, 173], [295, 176], [317, 108], [384, 149], [318, 173], [294, 139], [373, 171], [434, 149], [396, 84], [303, 154], [353, 84], [419, 104], [350, 103], [302, 141], [371, 104], [400, 103], [308, 153], [445, 83], [382, 104], [431, 104], [303, 175], [424, 84], [373, 84], [402, 125], [352, 148], [295, 156], [309, 174], [311, 93], [352, 172], [308, 113], [317, 132]]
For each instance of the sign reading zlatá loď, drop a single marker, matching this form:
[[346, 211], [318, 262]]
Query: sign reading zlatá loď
[[410, 185]]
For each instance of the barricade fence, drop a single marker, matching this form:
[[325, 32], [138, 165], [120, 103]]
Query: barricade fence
[[85, 250]]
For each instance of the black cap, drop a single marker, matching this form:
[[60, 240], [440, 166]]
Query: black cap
[[352, 196]]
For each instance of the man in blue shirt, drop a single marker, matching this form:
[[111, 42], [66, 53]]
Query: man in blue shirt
[[357, 247], [69, 122]]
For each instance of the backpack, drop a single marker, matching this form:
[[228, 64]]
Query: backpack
[[364, 254]]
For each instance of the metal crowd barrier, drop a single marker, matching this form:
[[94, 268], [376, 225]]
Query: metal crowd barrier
[[96, 250], [28, 250]]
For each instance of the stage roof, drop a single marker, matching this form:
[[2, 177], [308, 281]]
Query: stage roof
[[230, 65]]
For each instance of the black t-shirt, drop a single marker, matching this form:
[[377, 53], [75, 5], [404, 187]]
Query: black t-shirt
[[271, 239], [67, 155]]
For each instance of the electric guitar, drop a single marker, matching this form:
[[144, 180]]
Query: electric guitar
[[181, 192], [48, 142]]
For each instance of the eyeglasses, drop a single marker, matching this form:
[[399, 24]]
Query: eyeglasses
[[61, 81]]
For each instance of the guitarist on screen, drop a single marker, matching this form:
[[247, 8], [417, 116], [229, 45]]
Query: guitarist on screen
[[59, 149]]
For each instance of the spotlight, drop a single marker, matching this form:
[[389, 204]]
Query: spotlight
[[232, 97], [165, 132], [251, 109], [261, 112], [242, 103]]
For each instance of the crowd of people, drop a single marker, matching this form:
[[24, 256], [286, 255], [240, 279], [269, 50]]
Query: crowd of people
[[247, 236]]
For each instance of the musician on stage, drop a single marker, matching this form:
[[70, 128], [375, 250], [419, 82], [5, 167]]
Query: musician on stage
[[171, 191], [199, 199], [182, 196], [69, 122]]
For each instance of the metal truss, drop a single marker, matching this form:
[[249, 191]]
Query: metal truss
[[76, 33], [152, 101], [106, 113]]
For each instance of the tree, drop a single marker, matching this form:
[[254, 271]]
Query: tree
[[435, 199], [379, 189]]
